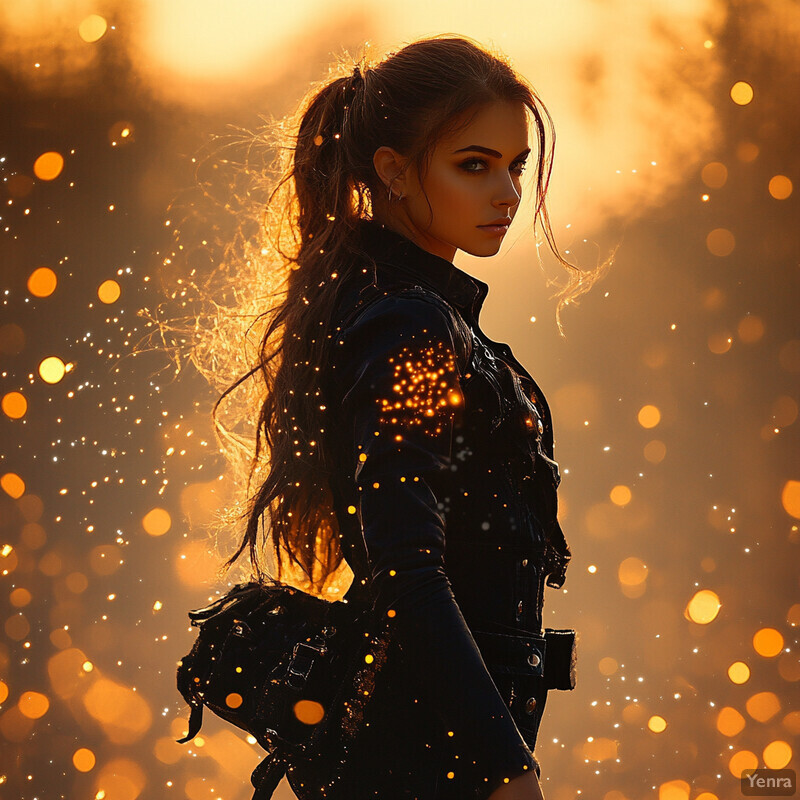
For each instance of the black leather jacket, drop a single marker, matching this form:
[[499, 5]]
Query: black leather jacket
[[445, 493]]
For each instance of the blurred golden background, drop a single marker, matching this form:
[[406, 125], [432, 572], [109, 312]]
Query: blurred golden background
[[674, 394]]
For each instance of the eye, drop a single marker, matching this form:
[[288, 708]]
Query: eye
[[470, 162], [480, 165]]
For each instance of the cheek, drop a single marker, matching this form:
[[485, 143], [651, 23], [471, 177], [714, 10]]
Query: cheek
[[455, 191]]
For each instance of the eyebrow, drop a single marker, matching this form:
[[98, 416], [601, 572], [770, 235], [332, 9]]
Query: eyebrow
[[490, 152]]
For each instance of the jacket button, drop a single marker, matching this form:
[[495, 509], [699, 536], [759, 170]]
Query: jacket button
[[530, 705], [533, 660]]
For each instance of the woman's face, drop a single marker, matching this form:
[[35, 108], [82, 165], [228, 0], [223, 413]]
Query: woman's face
[[473, 181]]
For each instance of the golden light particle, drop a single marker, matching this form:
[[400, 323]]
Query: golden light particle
[[33, 705], [309, 712], [105, 559], [714, 175], [3, 692], [109, 291], [20, 597], [123, 713], [157, 522], [60, 639], [780, 187], [720, 343], [790, 498], [14, 405], [655, 451], [391, 613], [607, 665], [620, 495], [657, 724], [720, 242], [768, 642], [632, 571], [730, 722], [741, 93], [50, 564], [77, 582], [451, 775], [12, 485], [92, 28], [777, 754], [369, 658], [747, 152], [599, 749], [649, 416], [763, 706], [31, 507], [48, 166], [750, 328], [83, 759], [52, 369], [674, 790], [708, 564], [739, 672], [122, 132], [124, 779], [784, 410], [703, 607], [42, 282], [234, 700], [741, 761]]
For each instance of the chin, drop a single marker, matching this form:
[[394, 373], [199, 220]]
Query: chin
[[483, 250]]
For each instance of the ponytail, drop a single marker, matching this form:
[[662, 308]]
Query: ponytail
[[327, 183]]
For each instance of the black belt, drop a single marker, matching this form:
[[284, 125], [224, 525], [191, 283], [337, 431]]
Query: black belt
[[551, 657]]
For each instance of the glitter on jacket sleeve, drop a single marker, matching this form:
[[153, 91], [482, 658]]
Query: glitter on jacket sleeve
[[401, 394]]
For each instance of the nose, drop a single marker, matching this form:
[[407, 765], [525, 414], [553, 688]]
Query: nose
[[506, 194]]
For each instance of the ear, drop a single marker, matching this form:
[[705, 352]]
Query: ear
[[390, 167]]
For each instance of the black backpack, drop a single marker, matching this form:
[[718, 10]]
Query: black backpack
[[293, 670]]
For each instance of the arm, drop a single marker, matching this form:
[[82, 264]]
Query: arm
[[401, 394]]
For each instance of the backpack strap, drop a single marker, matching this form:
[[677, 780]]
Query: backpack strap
[[268, 774], [195, 723]]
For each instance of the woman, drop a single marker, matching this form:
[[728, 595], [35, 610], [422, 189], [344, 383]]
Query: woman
[[401, 437]]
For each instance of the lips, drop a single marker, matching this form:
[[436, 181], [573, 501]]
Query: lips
[[497, 228]]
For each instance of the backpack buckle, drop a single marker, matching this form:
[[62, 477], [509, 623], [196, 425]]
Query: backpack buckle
[[303, 657]]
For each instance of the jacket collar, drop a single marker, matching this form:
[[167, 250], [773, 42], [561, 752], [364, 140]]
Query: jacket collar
[[406, 260]]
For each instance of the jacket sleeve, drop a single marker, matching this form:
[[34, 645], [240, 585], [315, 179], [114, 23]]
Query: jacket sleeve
[[400, 396]]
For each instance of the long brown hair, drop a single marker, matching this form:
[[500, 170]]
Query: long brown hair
[[407, 101]]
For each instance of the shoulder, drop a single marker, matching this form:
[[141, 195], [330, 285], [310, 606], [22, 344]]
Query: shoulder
[[392, 327], [397, 312]]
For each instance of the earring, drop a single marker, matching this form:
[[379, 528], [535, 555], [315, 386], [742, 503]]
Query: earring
[[399, 197]]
